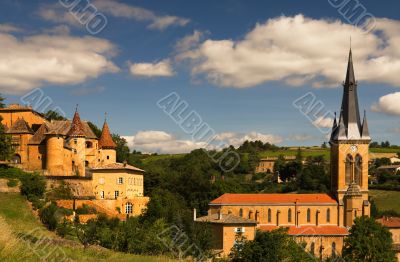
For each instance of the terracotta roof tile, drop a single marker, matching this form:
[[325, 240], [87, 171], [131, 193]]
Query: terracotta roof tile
[[311, 230], [226, 219], [20, 127], [77, 128], [263, 199], [106, 140], [39, 136], [117, 166], [391, 222]]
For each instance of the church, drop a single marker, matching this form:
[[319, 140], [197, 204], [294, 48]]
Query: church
[[66, 151], [321, 221]]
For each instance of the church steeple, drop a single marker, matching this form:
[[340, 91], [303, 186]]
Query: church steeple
[[351, 127], [365, 130]]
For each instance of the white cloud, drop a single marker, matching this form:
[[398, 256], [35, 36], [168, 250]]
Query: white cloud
[[236, 139], [161, 142], [300, 51], [162, 68], [324, 122], [188, 42], [388, 104], [300, 137], [59, 14], [32, 61], [8, 28], [164, 143]]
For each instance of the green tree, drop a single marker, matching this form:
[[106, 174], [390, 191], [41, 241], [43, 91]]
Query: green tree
[[368, 241], [271, 246], [96, 130], [6, 149], [2, 104], [122, 148], [54, 115]]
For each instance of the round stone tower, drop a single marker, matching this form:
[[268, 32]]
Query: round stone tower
[[54, 160], [77, 141], [107, 146]]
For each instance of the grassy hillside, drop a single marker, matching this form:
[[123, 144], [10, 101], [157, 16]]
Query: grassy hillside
[[386, 200], [17, 222]]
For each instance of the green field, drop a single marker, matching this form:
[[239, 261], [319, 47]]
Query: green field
[[386, 200], [16, 219]]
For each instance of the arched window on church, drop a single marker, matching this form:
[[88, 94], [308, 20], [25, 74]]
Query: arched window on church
[[257, 215], [241, 212], [269, 215], [333, 249], [358, 170], [289, 215], [328, 215], [308, 215], [349, 161]]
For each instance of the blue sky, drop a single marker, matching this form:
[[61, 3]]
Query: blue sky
[[239, 65]]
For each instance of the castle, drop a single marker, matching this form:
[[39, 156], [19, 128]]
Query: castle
[[69, 151], [320, 220]]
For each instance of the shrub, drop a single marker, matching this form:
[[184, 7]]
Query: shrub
[[85, 209], [51, 215], [33, 185], [12, 182]]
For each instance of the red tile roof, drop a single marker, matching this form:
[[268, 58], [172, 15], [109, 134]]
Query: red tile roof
[[106, 141], [77, 128], [311, 230], [391, 222], [118, 166], [253, 199]]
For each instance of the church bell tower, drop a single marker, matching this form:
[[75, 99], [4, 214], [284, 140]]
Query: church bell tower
[[349, 154]]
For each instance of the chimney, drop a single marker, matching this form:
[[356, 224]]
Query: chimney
[[194, 214]]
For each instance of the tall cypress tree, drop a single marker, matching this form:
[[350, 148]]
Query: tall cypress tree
[[5, 140]]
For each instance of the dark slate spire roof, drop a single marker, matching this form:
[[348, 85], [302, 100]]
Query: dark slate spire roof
[[365, 131], [334, 127], [77, 129], [106, 141], [350, 126]]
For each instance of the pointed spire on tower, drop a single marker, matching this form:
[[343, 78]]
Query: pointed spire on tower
[[77, 129], [350, 78], [365, 130], [106, 141], [334, 127], [341, 133]]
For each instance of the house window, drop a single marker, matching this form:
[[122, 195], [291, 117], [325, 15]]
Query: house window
[[108, 157], [269, 215], [116, 194], [120, 181], [75, 141], [312, 248], [308, 215], [101, 194], [241, 212], [289, 215], [101, 181], [89, 144], [333, 249], [128, 208], [328, 215]]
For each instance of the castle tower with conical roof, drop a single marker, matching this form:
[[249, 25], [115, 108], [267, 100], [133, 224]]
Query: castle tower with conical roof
[[349, 154], [77, 141], [107, 146]]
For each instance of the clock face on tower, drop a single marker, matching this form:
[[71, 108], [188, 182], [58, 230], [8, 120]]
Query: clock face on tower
[[353, 148]]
